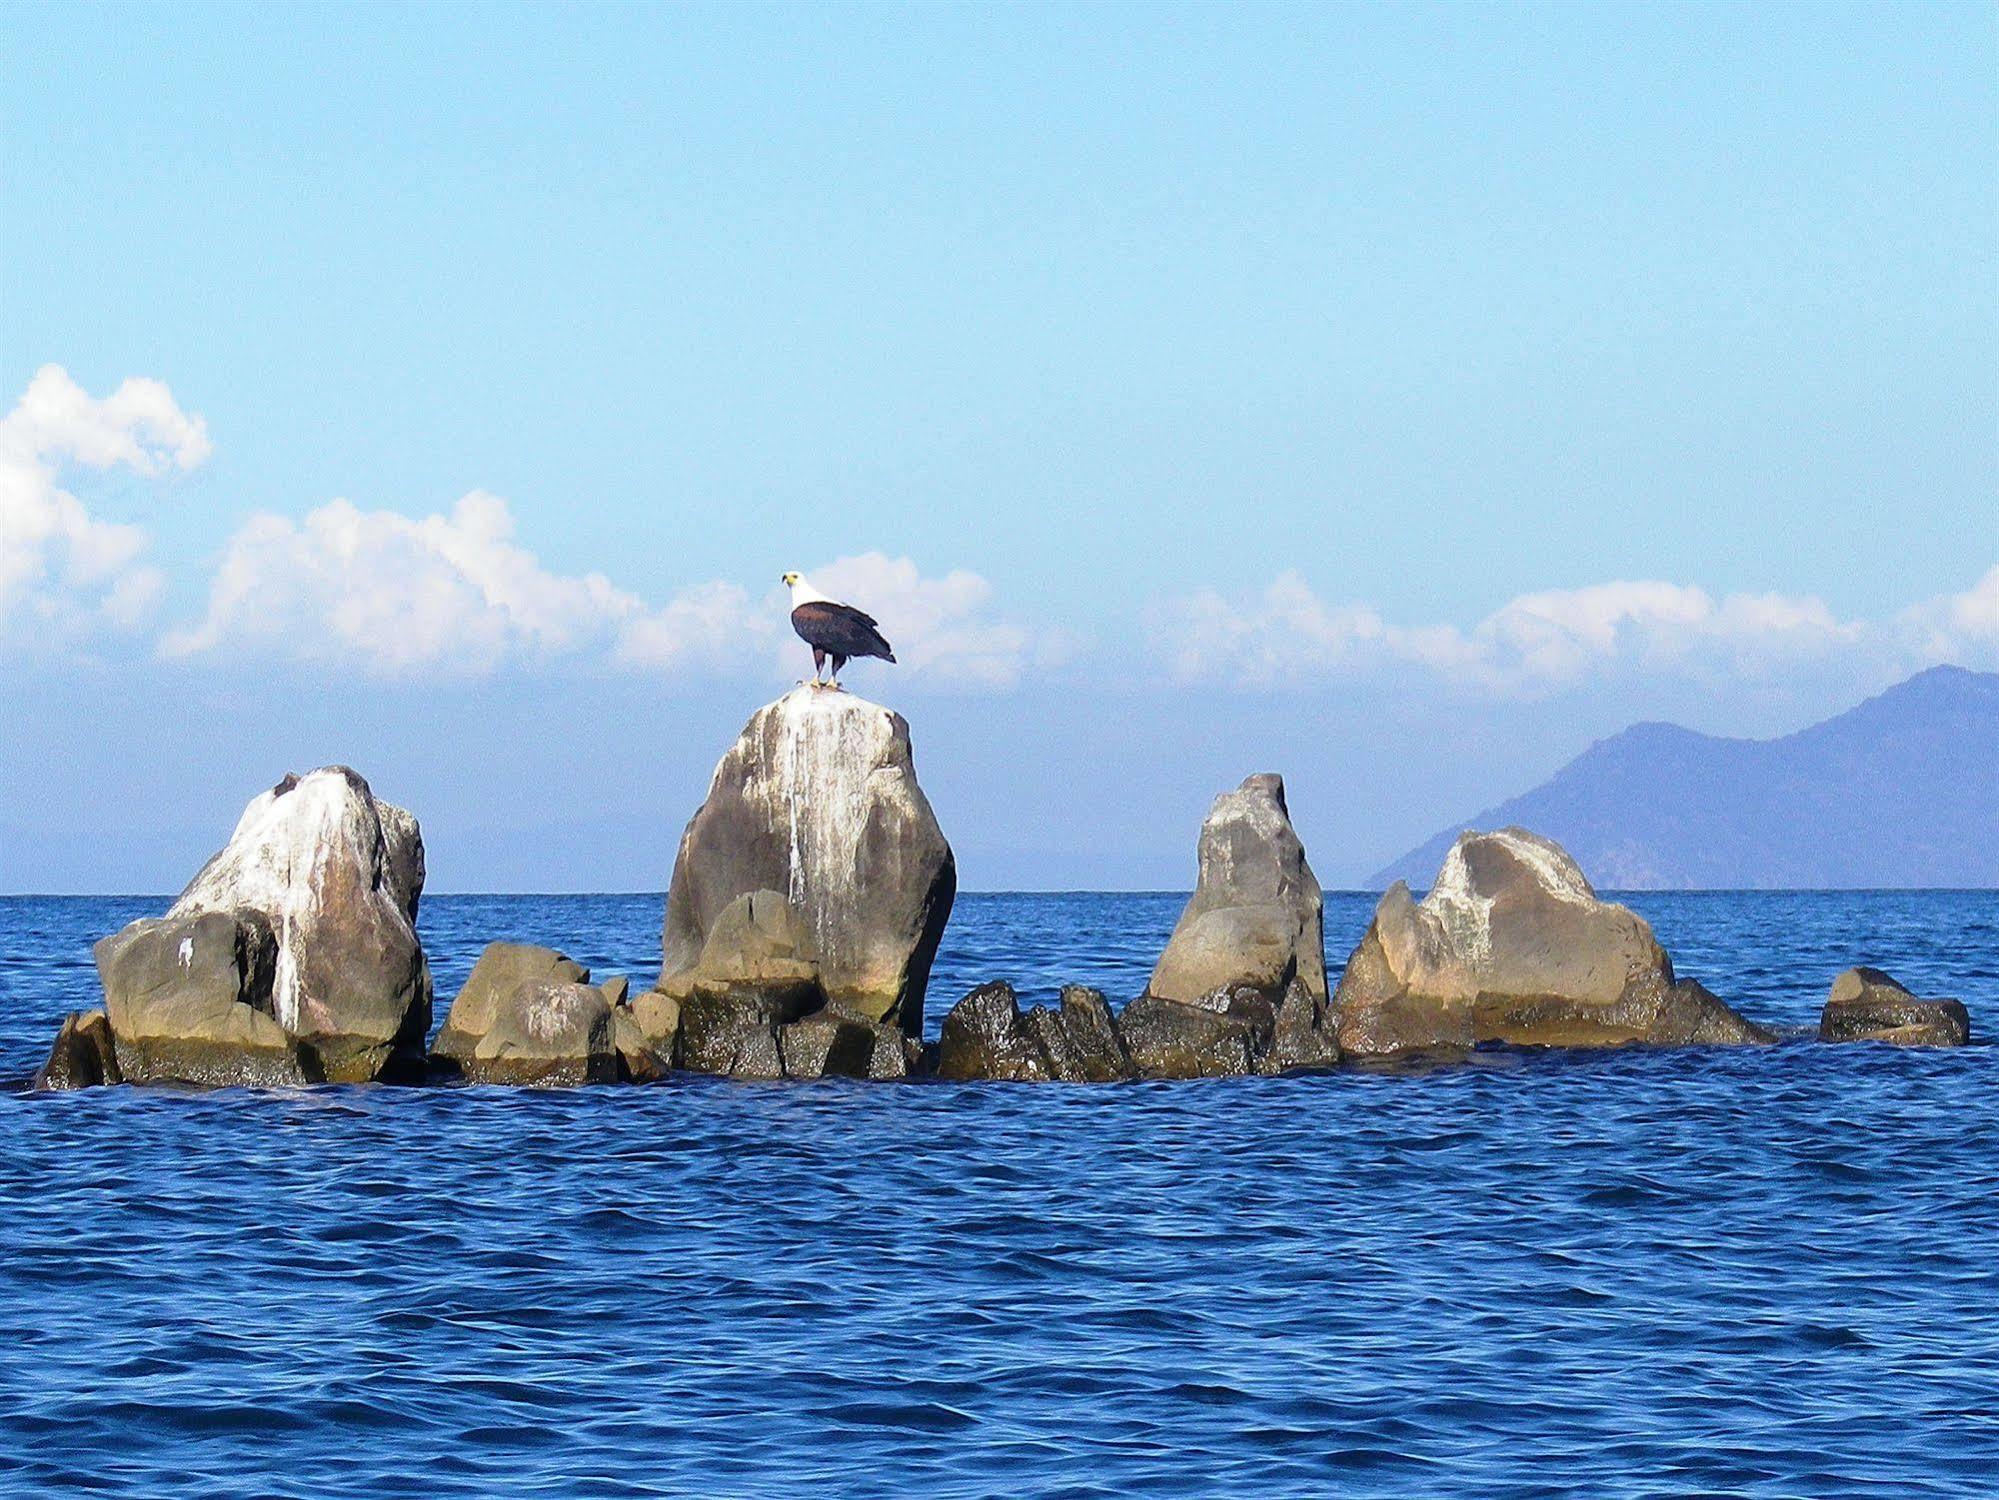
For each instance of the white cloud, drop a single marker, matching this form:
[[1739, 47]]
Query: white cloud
[[64, 572], [398, 596], [455, 592], [1549, 640]]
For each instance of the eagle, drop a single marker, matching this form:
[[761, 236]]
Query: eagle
[[832, 629]]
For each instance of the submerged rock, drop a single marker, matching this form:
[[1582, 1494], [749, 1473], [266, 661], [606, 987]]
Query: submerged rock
[[1256, 918], [83, 1055], [1868, 1005], [813, 878], [1512, 945]]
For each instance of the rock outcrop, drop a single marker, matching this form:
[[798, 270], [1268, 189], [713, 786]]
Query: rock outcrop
[[83, 1056], [1255, 920], [291, 958], [530, 1015], [1248, 950], [814, 881], [1512, 945], [986, 1036], [1867, 1005]]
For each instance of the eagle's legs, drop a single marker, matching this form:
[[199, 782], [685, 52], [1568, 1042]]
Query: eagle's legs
[[818, 665], [839, 661]]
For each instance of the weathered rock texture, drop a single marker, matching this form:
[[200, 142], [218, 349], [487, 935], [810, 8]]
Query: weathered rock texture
[[1512, 945], [1241, 987], [813, 878], [292, 957], [530, 1015], [502, 972], [986, 1036], [548, 1033], [1255, 919], [1868, 1005]]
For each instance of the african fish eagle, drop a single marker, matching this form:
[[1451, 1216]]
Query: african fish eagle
[[832, 629]]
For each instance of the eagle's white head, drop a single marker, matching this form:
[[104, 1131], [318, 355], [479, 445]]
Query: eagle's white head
[[802, 591]]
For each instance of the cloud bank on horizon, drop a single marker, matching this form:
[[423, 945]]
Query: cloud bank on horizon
[[454, 592]]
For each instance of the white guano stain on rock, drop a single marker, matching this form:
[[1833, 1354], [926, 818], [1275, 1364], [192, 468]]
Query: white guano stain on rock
[[1464, 916], [831, 745], [288, 850], [1463, 911], [549, 1013]]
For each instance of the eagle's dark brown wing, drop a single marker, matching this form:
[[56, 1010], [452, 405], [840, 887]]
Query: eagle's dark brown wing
[[839, 630]]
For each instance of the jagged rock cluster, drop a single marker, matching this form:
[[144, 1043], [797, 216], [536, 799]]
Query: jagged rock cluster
[[1241, 987], [809, 895]]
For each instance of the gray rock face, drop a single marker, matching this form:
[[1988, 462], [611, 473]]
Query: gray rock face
[[1868, 1005], [83, 1055], [291, 957], [188, 1000], [986, 1036], [1512, 945], [815, 875], [1256, 916]]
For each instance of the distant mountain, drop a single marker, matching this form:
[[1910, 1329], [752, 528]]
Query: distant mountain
[[1901, 791]]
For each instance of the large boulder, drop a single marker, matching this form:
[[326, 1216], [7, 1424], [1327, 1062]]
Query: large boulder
[[530, 1015], [987, 1036], [1868, 1005], [1512, 945], [503, 971], [548, 1033], [814, 877], [1255, 919], [188, 999], [293, 955]]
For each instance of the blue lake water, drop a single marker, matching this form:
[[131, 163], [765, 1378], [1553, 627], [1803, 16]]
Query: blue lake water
[[1759, 1272]]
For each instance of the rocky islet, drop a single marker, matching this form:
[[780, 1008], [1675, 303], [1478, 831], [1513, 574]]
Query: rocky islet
[[810, 893]]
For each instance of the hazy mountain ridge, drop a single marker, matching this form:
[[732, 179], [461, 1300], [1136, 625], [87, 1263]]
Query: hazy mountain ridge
[[1902, 790]]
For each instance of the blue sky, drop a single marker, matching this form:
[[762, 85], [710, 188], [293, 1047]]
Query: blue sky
[[1397, 397]]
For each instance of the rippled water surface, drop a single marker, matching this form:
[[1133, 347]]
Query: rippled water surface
[[1769, 1272]]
